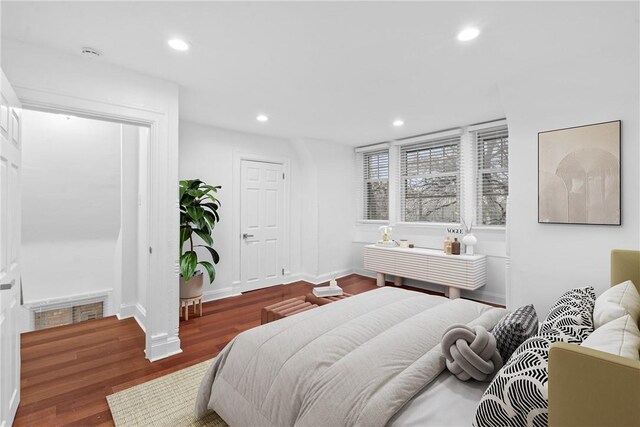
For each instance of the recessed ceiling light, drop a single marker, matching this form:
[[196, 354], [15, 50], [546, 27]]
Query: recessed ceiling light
[[468, 34], [262, 118], [178, 44], [398, 122]]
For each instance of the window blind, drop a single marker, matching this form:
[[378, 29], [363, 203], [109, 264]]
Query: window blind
[[492, 178], [430, 180], [375, 189]]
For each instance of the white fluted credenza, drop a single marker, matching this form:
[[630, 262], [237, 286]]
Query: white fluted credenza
[[455, 272]]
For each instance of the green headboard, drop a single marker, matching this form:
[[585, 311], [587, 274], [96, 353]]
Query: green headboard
[[625, 265]]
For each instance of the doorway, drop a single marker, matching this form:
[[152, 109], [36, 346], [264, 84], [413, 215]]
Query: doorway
[[83, 200], [263, 222]]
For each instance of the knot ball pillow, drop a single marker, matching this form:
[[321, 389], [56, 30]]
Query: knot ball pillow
[[470, 352]]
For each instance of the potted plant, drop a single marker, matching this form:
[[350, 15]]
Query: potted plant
[[199, 215]]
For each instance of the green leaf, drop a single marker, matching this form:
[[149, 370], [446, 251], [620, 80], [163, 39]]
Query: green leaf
[[193, 184], [186, 200], [185, 233], [212, 206], [188, 263], [211, 270], [213, 199], [204, 236], [203, 225], [211, 219], [195, 212], [213, 252]]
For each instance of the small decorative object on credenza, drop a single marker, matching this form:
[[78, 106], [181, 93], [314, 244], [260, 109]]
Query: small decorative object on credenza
[[333, 290], [385, 236], [469, 241], [455, 247], [469, 238], [447, 245], [403, 243]]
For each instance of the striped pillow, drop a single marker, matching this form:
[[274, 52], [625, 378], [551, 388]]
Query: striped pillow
[[572, 313], [517, 396]]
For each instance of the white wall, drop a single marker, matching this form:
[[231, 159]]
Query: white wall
[[330, 166], [70, 205], [131, 262], [48, 77], [207, 153], [547, 259], [322, 211]]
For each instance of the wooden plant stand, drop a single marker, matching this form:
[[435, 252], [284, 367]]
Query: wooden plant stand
[[186, 302]]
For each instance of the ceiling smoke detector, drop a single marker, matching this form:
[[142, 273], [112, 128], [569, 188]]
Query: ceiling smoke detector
[[89, 52]]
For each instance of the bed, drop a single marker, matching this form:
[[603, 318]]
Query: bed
[[364, 360], [375, 359]]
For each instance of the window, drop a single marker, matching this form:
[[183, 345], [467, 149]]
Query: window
[[376, 185], [430, 181], [492, 175]]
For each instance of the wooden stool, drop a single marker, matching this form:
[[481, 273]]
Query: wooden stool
[[186, 302]]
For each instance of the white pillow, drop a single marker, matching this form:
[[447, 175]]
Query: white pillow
[[615, 302], [620, 337]]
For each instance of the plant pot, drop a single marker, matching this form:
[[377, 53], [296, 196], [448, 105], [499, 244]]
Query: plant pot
[[191, 288]]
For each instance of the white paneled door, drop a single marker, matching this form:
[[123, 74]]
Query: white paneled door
[[262, 224], [10, 145]]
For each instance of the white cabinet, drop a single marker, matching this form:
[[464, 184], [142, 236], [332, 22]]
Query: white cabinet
[[456, 272]]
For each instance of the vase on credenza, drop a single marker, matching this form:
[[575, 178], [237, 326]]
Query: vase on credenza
[[469, 241]]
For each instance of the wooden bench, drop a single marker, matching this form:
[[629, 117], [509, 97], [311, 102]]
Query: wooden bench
[[296, 305], [285, 308]]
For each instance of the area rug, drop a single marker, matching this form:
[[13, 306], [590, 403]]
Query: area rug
[[166, 401]]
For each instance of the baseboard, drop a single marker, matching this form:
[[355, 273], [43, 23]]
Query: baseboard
[[162, 346], [216, 294], [321, 278], [140, 315], [137, 311], [126, 311]]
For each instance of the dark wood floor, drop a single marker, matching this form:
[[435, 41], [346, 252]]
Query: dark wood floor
[[68, 371]]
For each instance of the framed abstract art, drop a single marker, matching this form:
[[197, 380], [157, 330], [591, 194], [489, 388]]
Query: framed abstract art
[[579, 175]]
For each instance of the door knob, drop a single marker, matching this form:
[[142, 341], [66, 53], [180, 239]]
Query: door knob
[[246, 236], [7, 286]]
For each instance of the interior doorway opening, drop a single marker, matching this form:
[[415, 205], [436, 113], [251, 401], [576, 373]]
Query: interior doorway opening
[[84, 219]]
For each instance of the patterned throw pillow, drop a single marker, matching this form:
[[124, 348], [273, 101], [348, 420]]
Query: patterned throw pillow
[[518, 395], [572, 313], [514, 329]]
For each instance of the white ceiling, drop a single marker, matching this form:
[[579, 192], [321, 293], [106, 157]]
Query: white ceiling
[[334, 70]]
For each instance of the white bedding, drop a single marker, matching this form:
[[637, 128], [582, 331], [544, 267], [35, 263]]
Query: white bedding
[[354, 362], [446, 402]]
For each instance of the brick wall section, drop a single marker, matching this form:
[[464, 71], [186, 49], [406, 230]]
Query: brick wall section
[[67, 315]]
